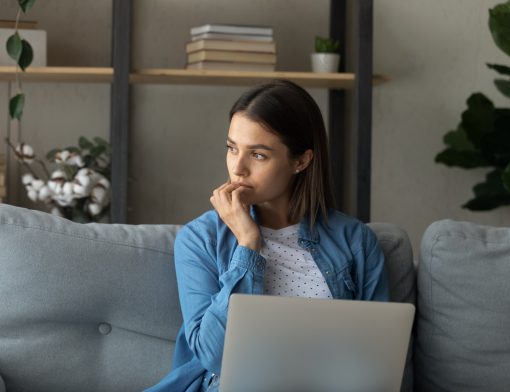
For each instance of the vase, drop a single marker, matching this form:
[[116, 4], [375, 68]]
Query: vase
[[325, 62]]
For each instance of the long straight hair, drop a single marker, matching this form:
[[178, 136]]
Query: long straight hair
[[287, 110]]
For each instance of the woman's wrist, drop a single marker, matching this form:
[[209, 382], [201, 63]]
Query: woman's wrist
[[251, 243]]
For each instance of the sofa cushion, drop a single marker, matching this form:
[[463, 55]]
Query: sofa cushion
[[84, 307], [398, 256], [463, 323]]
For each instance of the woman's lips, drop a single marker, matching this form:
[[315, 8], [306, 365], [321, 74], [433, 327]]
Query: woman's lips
[[243, 184]]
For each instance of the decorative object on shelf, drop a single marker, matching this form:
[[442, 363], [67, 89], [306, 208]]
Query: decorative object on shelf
[[22, 53], [231, 47], [482, 139], [79, 189], [3, 171], [325, 58]]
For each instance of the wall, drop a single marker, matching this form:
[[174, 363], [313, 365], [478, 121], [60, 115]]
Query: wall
[[435, 52]]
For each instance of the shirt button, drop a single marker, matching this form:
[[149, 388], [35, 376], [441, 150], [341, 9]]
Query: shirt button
[[104, 328]]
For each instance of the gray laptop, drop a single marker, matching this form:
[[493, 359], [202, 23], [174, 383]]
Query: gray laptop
[[283, 344]]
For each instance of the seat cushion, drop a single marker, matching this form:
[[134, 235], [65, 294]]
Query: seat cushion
[[85, 307], [463, 323]]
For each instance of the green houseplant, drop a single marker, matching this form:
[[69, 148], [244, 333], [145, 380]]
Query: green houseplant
[[482, 138], [326, 57]]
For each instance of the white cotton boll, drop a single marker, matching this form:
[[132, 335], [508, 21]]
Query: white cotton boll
[[76, 160], [37, 184], [62, 156], [45, 194], [32, 194], [80, 190], [83, 172], [64, 200], [94, 209], [27, 179], [55, 186], [58, 174], [104, 182], [25, 153], [67, 188], [99, 194]]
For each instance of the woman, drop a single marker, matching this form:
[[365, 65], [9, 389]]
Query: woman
[[273, 230]]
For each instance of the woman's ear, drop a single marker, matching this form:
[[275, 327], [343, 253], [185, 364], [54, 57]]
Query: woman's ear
[[304, 160]]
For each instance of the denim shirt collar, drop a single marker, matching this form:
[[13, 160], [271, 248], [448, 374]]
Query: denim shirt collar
[[304, 234]]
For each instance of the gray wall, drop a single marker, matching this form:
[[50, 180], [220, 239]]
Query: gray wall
[[435, 52]]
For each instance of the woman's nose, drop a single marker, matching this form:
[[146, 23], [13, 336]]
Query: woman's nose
[[239, 166]]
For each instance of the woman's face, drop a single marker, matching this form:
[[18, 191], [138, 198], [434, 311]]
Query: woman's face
[[258, 159]]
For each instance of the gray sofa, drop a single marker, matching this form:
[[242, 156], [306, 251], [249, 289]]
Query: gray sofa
[[94, 307]]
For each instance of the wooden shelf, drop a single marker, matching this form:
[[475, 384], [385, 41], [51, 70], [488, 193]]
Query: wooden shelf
[[242, 78], [58, 74], [182, 76]]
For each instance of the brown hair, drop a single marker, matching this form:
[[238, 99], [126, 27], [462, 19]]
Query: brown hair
[[287, 110]]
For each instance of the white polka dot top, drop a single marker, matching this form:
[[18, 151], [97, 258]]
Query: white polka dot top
[[290, 270]]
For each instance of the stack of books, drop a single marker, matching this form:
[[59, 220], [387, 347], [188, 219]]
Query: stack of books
[[3, 171], [231, 47]]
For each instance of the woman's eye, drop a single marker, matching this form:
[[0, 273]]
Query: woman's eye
[[259, 156], [230, 148]]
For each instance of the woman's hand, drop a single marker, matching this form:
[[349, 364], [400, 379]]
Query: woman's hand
[[227, 201]]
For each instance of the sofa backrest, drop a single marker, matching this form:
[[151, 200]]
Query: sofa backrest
[[463, 319], [84, 307], [94, 307], [401, 271]]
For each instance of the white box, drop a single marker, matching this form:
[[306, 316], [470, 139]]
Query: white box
[[36, 38]]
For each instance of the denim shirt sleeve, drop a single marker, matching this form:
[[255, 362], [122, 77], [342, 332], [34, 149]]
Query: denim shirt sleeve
[[204, 294], [372, 275]]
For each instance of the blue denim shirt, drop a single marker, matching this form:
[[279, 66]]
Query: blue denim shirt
[[210, 266]]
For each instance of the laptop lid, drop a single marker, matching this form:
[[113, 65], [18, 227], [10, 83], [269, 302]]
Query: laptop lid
[[280, 344]]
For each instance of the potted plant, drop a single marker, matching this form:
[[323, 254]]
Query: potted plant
[[326, 57], [482, 138]]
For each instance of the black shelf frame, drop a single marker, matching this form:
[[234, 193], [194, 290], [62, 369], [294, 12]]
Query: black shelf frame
[[358, 122]]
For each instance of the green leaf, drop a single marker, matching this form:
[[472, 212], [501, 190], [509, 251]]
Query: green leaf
[[502, 69], [495, 146], [505, 178], [499, 24], [478, 119], [489, 194], [97, 151], [464, 159], [85, 143], [73, 149], [50, 156], [14, 47], [27, 55], [26, 4], [326, 45], [458, 140], [16, 105], [101, 142], [486, 203], [503, 86]]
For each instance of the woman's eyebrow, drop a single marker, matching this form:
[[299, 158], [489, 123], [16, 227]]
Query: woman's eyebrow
[[253, 146]]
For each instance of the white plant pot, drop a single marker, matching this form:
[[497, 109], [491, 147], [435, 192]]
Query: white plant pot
[[325, 62]]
